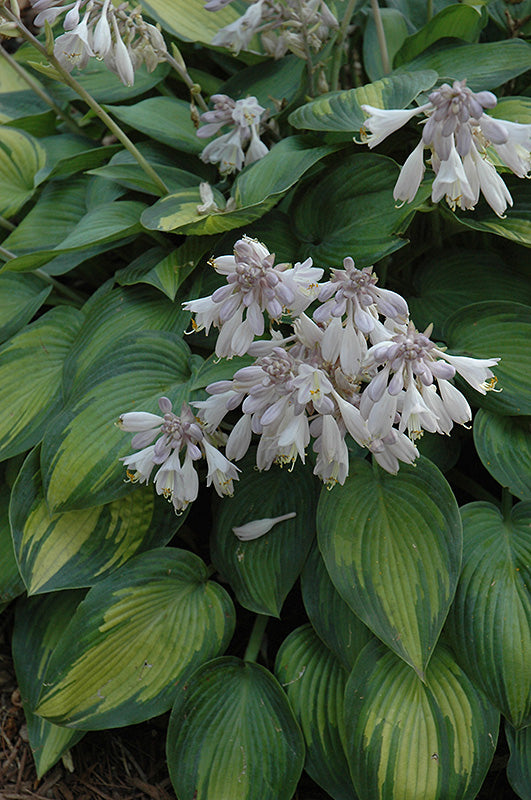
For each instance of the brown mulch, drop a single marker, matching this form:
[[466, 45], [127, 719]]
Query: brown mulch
[[124, 764]]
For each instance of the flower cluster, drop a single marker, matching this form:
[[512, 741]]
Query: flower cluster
[[176, 481], [459, 134], [241, 145], [358, 366], [294, 26], [97, 28]]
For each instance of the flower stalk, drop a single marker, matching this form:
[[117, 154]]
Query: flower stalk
[[255, 639], [386, 64], [114, 128]]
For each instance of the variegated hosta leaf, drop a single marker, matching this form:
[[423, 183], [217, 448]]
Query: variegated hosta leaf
[[39, 624], [404, 738], [489, 624], [504, 447], [262, 571], [188, 19], [80, 452], [11, 584], [21, 157], [31, 367], [392, 547], [77, 548], [341, 111], [20, 297], [339, 628], [519, 766], [233, 736], [503, 329], [315, 684], [135, 634], [114, 314]]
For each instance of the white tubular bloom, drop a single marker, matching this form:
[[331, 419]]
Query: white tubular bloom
[[242, 144], [259, 527], [177, 482], [458, 132]]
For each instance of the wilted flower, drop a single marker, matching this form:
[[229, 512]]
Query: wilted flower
[[177, 481], [259, 527], [459, 135]]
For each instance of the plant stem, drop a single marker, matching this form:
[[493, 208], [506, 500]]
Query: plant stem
[[39, 91], [386, 65], [429, 9], [506, 504], [7, 255], [195, 89], [5, 223], [89, 100], [340, 43], [255, 639], [471, 486], [309, 62]]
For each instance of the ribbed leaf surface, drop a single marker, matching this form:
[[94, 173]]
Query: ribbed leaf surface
[[187, 19], [406, 739], [39, 624], [77, 548], [341, 111], [262, 572], [79, 457], [339, 628], [503, 329], [392, 547], [20, 297], [504, 447], [516, 221], [11, 584], [135, 634], [315, 684], [519, 766], [233, 736], [21, 157], [489, 624], [31, 367]]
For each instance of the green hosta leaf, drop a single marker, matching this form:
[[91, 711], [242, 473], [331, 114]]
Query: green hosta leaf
[[164, 119], [437, 737], [39, 624], [504, 447], [395, 32], [256, 190], [274, 83], [262, 572], [489, 624], [131, 176], [279, 170], [106, 223], [136, 633], [451, 280], [457, 21], [519, 766], [11, 584], [341, 111], [178, 213], [485, 66], [21, 296], [21, 157], [339, 628], [31, 366], [516, 222], [515, 109], [361, 219], [12, 82], [232, 735], [315, 684], [188, 19], [115, 314], [392, 547], [79, 458], [165, 271], [503, 329], [78, 548]]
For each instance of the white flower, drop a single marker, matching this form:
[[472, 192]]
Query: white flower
[[475, 371], [102, 34], [381, 122], [259, 527], [238, 34], [411, 175], [73, 49], [451, 182]]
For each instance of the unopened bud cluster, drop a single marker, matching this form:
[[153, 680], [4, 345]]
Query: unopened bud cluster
[[459, 134], [99, 29], [295, 26], [357, 365]]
